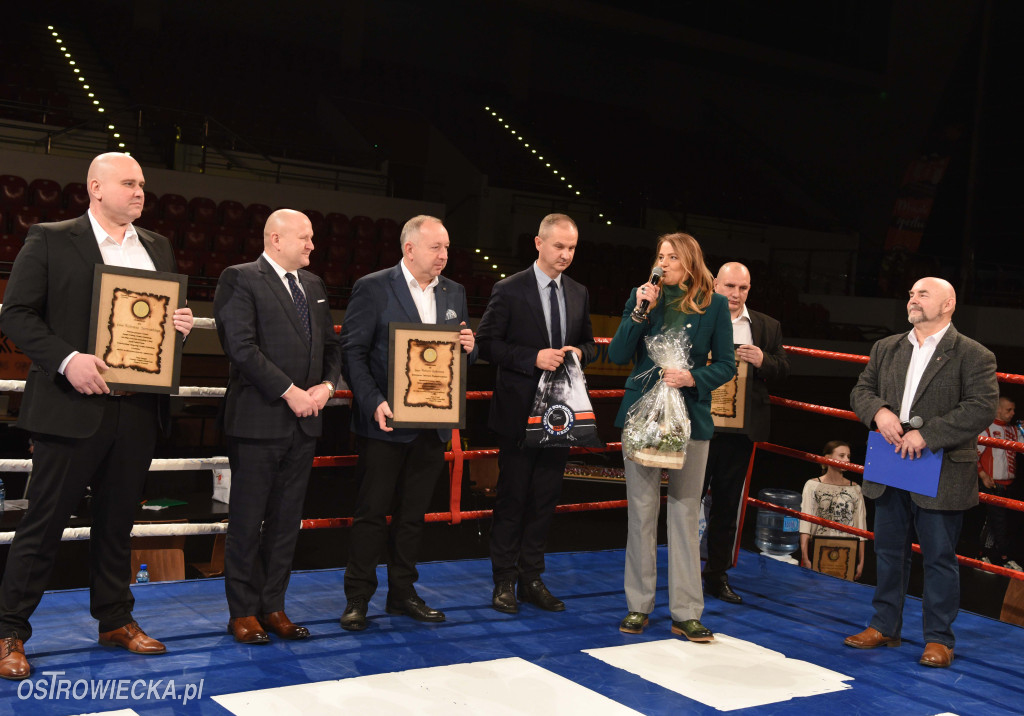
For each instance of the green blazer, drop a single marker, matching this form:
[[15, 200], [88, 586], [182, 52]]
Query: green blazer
[[710, 332]]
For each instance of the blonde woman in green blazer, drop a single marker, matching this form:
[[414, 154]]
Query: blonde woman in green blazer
[[685, 301]]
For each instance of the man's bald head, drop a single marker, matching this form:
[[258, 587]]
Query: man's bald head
[[733, 282], [288, 239], [931, 305], [116, 195]]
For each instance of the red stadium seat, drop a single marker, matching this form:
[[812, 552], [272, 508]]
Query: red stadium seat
[[227, 242], [187, 263], [8, 251], [318, 222], [13, 191], [338, 225], [165, 228], [389, 256], [23, 219], [363, 228], [339, 253], [62, 214], [202, 211], [45, 194], [173, 208], [253, 242], [194, 239], [149, 209], [256, 215], [365, 254], [334, 275], [214, 264], [76, 198], [388, 231], [232, 214]]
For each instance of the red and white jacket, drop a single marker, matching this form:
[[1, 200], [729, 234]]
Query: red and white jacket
[[999, 463]]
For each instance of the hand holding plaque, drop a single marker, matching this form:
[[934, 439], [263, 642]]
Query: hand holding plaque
[[426, 376], [132, 328]]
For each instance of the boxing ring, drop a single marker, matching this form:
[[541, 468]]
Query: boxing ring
[[780, 652]]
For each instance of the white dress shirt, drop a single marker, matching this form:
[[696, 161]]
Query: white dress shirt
[[281, 275], [426, 304], [742, 333], [919, 360]]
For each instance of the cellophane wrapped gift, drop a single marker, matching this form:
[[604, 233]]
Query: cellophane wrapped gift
[[657, 428]]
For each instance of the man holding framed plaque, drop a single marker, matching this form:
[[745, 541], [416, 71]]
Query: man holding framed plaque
[[396, 461], [84, 433], [276, 328], [761, 359]]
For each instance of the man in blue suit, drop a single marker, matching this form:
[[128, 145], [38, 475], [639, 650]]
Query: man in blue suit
[[276, 329], [397, 463]]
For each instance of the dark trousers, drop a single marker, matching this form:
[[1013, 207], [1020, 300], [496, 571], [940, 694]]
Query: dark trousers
[[114, 461], [725, 474], [897, 518], [997, 522], [268, 488], [399, 474], [529, 485]]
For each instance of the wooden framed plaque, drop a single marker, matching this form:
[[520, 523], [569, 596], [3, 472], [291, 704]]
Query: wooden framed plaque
[[426, 376], [132, 327], [836, 556], [730, 401]]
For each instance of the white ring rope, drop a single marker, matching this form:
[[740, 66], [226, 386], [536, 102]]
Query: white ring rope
[[174, 529], [164, 465]]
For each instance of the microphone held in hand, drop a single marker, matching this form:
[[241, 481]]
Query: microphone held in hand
[[640, 312], [914, 423]]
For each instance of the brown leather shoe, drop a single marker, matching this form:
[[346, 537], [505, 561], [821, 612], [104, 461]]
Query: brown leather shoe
[[870, 638], [13, 664], [280, 624], [132, 638], [247, 630], [936, 655]]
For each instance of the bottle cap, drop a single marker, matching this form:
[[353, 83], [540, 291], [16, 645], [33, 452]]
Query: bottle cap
[[142, 566]]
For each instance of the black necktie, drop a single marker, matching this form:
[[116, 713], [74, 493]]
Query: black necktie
[[300, 304], [556, 317]]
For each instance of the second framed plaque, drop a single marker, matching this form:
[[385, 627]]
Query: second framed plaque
[[132, 327], [730, 402], [426, 376]]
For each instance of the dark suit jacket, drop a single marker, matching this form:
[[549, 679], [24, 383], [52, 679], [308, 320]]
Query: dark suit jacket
[[511, 333], [710, 332], [46, 313], [767, 334], [265, 341], [957, 398], [379, 299]]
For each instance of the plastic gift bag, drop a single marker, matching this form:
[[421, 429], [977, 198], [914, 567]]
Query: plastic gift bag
[[562, 415], [657, 428]]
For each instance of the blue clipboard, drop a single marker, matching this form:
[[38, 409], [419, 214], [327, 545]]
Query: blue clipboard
[[884, 465]]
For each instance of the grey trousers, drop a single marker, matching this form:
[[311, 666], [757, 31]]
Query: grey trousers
[[643, 490]]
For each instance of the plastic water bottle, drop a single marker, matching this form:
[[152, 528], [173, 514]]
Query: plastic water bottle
[[3, 497], [778, 534], [143, 575]]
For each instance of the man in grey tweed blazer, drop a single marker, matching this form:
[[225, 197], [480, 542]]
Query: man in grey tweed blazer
[[949, 381]]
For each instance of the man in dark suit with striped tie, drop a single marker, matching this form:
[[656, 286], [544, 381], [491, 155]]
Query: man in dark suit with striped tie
[[276, 329]]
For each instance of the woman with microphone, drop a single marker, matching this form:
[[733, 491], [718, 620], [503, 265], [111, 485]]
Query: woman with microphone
[[684, 301]]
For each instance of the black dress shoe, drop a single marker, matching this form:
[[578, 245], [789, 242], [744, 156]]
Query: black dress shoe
[[414, 607], [354, 616], [536, 593], [719, 589], [504, 597]]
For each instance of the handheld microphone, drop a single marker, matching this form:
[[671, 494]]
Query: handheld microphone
[[655, 277], [913, 424]]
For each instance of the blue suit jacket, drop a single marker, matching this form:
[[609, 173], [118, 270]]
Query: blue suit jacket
[[378, 300]]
